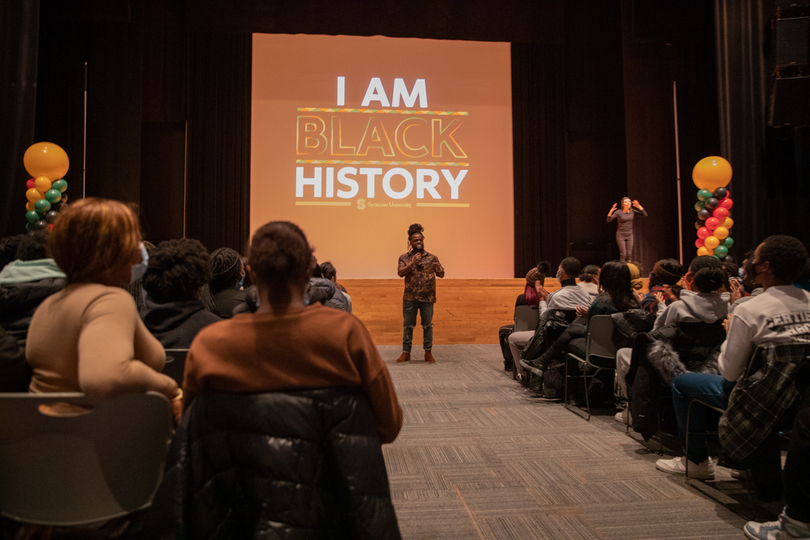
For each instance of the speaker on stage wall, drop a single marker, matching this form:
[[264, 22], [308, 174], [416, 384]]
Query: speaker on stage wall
[[792, 41], [790, 102]]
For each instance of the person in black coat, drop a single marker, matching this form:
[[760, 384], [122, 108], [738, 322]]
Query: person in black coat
[[173, 311]]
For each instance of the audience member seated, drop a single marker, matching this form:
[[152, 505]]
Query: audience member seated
[[173, 311], [25, 283], [285, 394], [224, 294], [534, 278], [794, 522], [566, 299], [686, 337], [749, 287], [88, 337], [635, 279], [665, 275], [325, 292], [8, 248], [777, 316], [15, 373], [329, 272], [589, 279]]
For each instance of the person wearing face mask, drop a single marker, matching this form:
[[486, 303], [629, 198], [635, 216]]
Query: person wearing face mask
[[420, 270], [88, 337], [624, 232]]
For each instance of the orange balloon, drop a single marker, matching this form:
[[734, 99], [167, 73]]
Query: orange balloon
[[703, 251], [711, 173], [29, 206], [34, 195], [728, 223], [721, 233], [46, 159], [711, 242], [43, 184]]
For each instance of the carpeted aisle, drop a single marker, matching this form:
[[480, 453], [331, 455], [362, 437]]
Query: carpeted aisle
[[479, 457]]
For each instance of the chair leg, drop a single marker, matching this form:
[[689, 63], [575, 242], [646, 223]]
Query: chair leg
[[565, 384], [686, 450], [588, 389]]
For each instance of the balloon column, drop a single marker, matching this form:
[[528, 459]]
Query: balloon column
[[47, 163], [711, 176]]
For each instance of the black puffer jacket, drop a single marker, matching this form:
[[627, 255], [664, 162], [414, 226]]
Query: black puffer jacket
[[291, 465], [18, 301]]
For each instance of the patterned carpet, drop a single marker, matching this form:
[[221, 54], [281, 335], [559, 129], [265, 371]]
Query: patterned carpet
[[481, 457]]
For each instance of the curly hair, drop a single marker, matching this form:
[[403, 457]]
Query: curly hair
[[177, 271], [787, 255], [708, 274], [280, 256], [414, 229]]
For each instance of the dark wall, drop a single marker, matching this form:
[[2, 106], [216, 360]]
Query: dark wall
[[169, 106]]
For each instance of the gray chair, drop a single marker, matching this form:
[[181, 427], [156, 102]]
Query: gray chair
[[175, 365], [70, 460], [526, 318], [600, 355]]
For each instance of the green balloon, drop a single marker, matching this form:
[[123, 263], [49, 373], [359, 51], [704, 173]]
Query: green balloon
[[32, 216], [720, 251], [61, 185], [700, 205], [42, 206], [53, 195], [704, 194], [29, 226], [728, 242]]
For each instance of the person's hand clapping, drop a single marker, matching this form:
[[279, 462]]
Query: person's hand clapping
[[736, 291], [542, 293]]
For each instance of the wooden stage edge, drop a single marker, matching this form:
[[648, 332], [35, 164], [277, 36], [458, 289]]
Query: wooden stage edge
[[467, 311]]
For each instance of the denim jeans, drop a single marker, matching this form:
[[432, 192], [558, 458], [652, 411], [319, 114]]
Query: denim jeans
[[710, 389], [409, 309]]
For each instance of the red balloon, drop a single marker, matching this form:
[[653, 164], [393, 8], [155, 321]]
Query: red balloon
[[726, 203], [720, 213], [30, 184], [712, 223], [703, 233], [700, 242]]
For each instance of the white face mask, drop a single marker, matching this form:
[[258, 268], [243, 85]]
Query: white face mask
[[138, 270]]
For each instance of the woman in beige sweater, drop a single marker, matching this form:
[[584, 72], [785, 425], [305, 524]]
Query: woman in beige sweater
[[88, 337]]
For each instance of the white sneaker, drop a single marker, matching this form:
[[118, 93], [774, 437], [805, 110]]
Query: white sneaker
[[623, 417], [701, 471], [739, 474], [786, 528]]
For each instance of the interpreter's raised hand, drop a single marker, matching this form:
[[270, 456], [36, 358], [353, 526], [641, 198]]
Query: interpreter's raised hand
[[612, 208]]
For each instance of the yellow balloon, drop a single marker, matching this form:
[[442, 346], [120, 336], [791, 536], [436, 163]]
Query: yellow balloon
[[29, 206], [42, 184], [711, 173], [703, 251], [34, 195], [46, 159], [721, 233], [728, 223], [711, 242]]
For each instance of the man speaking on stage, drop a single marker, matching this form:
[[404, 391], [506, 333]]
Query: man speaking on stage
[[420, 269]]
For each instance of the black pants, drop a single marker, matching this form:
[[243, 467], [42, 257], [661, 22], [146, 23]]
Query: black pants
[[796, 476], [625, 241]]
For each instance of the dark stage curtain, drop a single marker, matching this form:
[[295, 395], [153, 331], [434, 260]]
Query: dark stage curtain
[[218, 181], [771, 181], [538, 138], [19, 36]]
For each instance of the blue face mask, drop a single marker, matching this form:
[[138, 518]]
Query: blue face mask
[[240, 283], [138, 270]]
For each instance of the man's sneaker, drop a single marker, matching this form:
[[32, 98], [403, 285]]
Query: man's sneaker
[[429, 358], [404, 357], [738, 474], [701, 471], [786, 528], [623, 417]]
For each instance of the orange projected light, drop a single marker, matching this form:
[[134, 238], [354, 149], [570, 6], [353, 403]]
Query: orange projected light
[[355, 138]]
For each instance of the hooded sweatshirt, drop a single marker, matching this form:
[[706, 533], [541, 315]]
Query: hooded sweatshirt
[[175, 324], [694, 307], [23, 287]]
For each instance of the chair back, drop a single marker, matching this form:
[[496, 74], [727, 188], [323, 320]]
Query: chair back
[[68, 459], [526, 318], [175, 364], [600, 338]]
